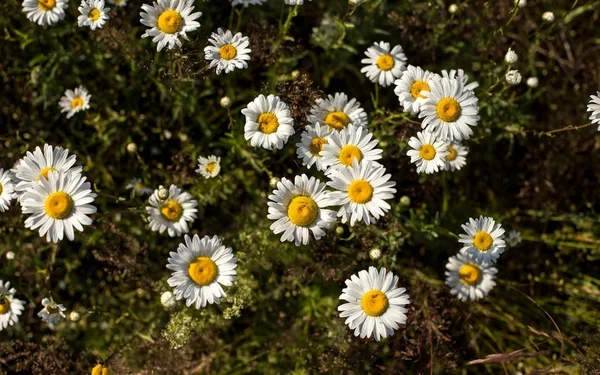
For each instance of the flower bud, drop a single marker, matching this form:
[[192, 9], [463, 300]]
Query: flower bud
[[10, 255], [225, 102], [273, 182], [375, 254], [163, 193], [131, 148], [548, 16], [74, 316], [167, 300], [453, 8], [511, 57], [533, 82], [513, 77]]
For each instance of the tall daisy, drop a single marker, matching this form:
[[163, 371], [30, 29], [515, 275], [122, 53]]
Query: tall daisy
[[209, 167], [298, 209], [173, 213], [93, 14], [228, 51], [59, 204], [168, 20], [594, 107], [457, 157], [119, 3], [427, 152], [74, 101], [469, 280], [7, 190], [352, 143], [461, 77], [484, 241], [337, 112], [450, 110], [268, 122], [409, 87], [375, 303], [45, 12], [361, 191], [200, 267], [384, 65], [245, 3], [52, 312], [138, 185], [10, 307], [310, 148]]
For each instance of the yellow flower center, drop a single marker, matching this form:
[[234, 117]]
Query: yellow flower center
[[169, 22], [483, 241], [44, 172], [349, 153], [268, 123], [46, 5], [99, 369], [374, 303], [469, 274], [1, 189], [427, 152], [337, 120], [58, 205], [77, 102], [448, 109], [417, 87], [210, 168], [385, 62], [203, 271], [139, 185], [52, 309], [302, 210], [316, 146], [94, 14], [360, 191], [4, 305], [171, 210], [452, 155], [227, 52]]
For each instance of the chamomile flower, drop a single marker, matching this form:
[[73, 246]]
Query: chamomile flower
[[93, 14], [268, 122], [514, 238], [361, 191], [7, 190], [337, 112], [449, 110], [171, 213], [10, 307], [138, 185], [119, 3], [228, 51], [310, 148], [352, 143], [427, 152], [45, 12], [168, 20], [74, 101], [461, 77], [375, 303], [59, 204], [457, 157], [52, 312], [484, 241], [469, 280], [384, 65], [245, 3], [200, 267], [409, 87], [594, 107], [209, 167], [298, 209]]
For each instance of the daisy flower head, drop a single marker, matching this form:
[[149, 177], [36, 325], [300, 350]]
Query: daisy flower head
[[168, 20], [138, 185], [427, 152], [484, 241], [172, 213], [450, 110], [514, 238], [7, 190], [10, 307], [58, 204], [245, 3], [374, 303], [310, 148], [298, 209], [594, 107], [409, 87], [469, 280], [209, 167], [457, 157], [361, 191], [119, 3], [461, 76], [228, 51], [51, 312], [384, 65], [93, 14], [45, 12], [74, 101], [337, 112], [200, 267], [352, 143], [269, 123]]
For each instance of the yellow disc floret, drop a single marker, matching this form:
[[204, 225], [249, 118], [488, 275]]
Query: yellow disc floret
[[316, 146], [427, 152], [483, 241], [44, 172], [171, 210], [452, 155], [100, 370], [203, 271], [58, 205], [77, 102], [210, 167], [374, 303], [227, 52], [349, 153], [4, 305], [94, 14], [469, 274], [448, 109], [385, 62], [337, 120], [1, 189], [46, 5], [268, 123], [302, 210], [417, 87], [360, 191], [169, 22]]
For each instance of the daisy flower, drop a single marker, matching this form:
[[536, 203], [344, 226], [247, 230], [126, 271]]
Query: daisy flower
[[168, 20], [352, 143], [59, 204], [469, 280], [361, 191], [461, 77], [484, 241], [245, 3], [209, 167], [374, 303], [119, 3], [337, 112], [409, 87], [449, 110], [74, 101], [139, 187], [384, 65], [228, 51], [428, 153], [7, 190], [172, 213], [514, 238], [52, 312], [457, 157], [268, 122], [200, 267], [45, 12], [93, 14], [298, 208], [594, 107], [310, 148], [10, 307]]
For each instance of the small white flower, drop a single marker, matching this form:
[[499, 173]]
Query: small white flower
[[337, 112], [10, 255], [594, 107], [168, 20], [269, 123], [310, 148], [228, 51], [74, 316], [171, 213], [511, 57], [513, 77], [139, 187], [457, 157], [10, 307], [521, 3], [52, 312], [225, 102], [428, 153], [452, 8], [7, 190], [45, 12], [375, 254], [93, 14], [209, 167], [484, 241], [352, 143], [131, 147], [409, 87], [533, 82], [74, 101], [514, 238], [167, 299], [469, 280], [548, 16], [383, 64], [119, 3]]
